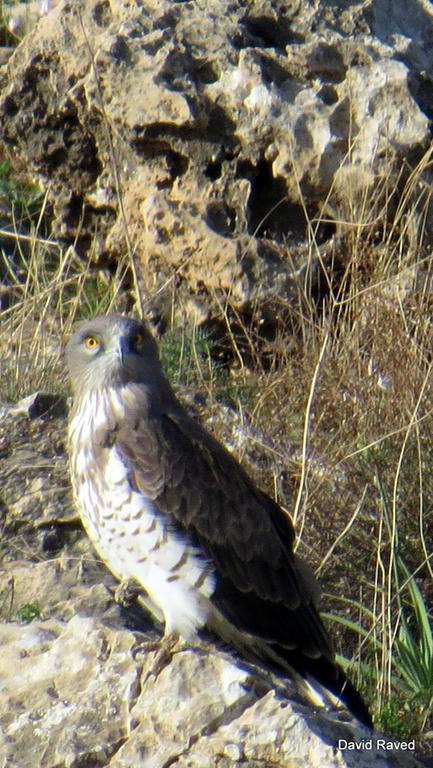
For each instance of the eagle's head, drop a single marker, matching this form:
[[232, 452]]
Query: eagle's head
[[112, 351]]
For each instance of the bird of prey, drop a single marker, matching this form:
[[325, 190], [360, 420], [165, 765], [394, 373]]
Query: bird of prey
[[167, 506]]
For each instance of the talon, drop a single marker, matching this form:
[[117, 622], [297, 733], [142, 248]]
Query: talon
[[127, 592], [167, 647]]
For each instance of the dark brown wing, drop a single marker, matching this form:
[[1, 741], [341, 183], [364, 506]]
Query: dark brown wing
[[262, 588], [261, 584]]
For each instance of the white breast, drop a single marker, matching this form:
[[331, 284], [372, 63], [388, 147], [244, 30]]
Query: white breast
[[129, 533]]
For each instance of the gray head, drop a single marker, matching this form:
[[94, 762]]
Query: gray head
[[112, 351]]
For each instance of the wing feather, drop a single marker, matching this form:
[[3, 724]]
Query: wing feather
[[197, 483]]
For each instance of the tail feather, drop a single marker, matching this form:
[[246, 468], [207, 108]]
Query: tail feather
[[344, 692], [325, 677], [318, 678]]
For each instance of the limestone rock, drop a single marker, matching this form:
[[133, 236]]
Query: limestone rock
[[68, 692], [37, 512], [40, 404], [21, 17], [77, 688], [218, 126]]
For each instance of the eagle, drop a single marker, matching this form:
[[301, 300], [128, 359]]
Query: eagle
[[167, 507]]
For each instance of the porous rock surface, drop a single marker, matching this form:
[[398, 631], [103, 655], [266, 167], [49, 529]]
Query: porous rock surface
[[206, 131], [83, 684], [78, 688]]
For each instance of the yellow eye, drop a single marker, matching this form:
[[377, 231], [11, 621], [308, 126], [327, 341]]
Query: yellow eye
[[91, 343], [138, 340]]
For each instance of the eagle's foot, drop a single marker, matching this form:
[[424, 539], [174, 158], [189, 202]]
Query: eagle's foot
[[127, 592], [166, 649]]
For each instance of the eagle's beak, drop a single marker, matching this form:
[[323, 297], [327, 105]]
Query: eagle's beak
[[121, 351]]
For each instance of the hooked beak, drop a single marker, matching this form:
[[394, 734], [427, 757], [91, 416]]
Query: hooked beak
[[121, 351]]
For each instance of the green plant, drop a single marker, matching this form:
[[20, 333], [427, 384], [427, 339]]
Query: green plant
[[24, 198], [414, 643], [409, 705], [186, 356], [28, 612], [190, 358]]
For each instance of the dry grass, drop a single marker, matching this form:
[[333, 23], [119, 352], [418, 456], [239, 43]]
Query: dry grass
[[49, 289]]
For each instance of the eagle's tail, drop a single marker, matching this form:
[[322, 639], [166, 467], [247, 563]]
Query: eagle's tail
[[320, 679], [335, 687]]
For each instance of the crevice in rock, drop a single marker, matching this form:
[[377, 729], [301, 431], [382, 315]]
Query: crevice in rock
[[326, 62], [73, 211], [79, 218], [176, 163], [328, 95], [272, 70], [101, 14], [266, 32], [269, 212], [149, 148], [220, 128], [120, 50], [221, 218], [181, 68], [213, 170], [53, 538], [421, 87]]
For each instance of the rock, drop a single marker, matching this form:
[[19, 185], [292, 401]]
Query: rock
[[6, 52], [78, 689], [37, 512], [21, 17], [40, 404], [221, 127], [68, 693]]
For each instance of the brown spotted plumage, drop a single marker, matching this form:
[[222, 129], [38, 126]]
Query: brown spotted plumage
[[167, 506]]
